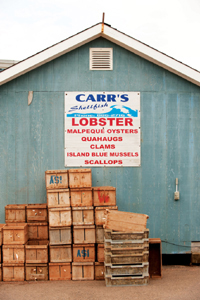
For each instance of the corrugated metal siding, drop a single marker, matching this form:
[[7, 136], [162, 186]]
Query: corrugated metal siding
[[32, 139]]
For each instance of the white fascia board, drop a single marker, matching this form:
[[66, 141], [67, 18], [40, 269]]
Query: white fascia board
[[152, 55], [50, 53]]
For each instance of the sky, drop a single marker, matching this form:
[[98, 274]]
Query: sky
[[30, 26]]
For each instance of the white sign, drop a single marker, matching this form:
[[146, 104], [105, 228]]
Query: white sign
[[102, 129]]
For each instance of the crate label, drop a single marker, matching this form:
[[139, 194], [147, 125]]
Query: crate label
[[55, 179], [83, 253], [102, 129]]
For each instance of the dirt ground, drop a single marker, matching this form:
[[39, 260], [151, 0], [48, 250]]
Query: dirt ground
[[177, 283]]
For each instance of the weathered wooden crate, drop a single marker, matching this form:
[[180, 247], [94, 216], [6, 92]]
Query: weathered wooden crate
[[1, 273], [84, 253], [126, 280], [60, 253], [15, 213], [100, 214], [83, 271], [121, 259], [56, 179], [36, 213], [15, 234], [59, 217], [38, 231], [60, 236], [125, 221], [58, 198], [100, 252], [84, 234], [83, 215], [81, 197], [121, 244], [37, 252], [104, 196], [1, 233], [13, 272], [80, 178], [99, 234], [155, 258], [117, 235], [60, 271], [136, 269], [99, 271], [126, 250], [13, 254], [37, 272]]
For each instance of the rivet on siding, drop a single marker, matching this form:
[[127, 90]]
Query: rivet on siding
[[30, 97]]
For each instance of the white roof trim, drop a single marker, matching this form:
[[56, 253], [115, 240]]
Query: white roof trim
[[111, 34]]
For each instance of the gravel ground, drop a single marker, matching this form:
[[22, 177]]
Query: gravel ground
[[177, 283]]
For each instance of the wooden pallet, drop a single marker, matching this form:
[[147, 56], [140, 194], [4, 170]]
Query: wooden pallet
[[129, 269], [117, 235], [126, 250], [118, 244], [131, 280], [126, 258]]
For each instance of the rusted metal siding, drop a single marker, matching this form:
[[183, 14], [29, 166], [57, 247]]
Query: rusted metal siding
[[32, 139]]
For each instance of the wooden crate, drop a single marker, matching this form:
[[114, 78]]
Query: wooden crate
[[58, 198], [36, 213], [80, 178], [104, 196], [84, 253], [84, 234], [155, 258], [60, 271], [136, 269], [100, 214], [99, 234], [15, 213], [99, 271], [56, 179], [112, 280], [59, 217], [1, 277], [123, 244], [60, 253], [15, 234], [83, 271], [13, 254], [125, 221], [100, 252], [117, 235], [1, 233], [38, 231], [37, 252], [37, 272], [60, 236], [121, 259], [83, 215], [81, 197], [13, 272]]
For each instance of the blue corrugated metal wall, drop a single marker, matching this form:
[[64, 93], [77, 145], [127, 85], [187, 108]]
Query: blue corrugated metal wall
[[32, 139]]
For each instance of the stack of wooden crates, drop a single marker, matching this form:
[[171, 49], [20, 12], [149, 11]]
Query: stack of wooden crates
[[126, 258], [76, 233]]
